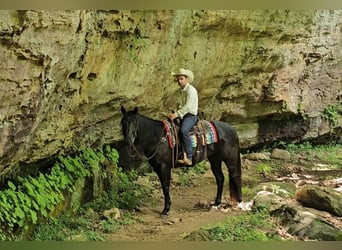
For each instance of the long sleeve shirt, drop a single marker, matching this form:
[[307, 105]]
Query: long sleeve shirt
[[191, 104]]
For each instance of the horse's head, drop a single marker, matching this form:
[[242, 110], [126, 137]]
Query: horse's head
[[129, 124]]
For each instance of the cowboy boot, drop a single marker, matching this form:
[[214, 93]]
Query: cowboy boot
[[182, 160], [185, 161]]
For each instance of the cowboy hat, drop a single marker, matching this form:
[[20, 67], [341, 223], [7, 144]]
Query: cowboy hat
[[184, 72]]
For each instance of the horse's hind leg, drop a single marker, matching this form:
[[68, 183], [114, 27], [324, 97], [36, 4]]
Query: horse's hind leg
[[217, 171], [235, 181]]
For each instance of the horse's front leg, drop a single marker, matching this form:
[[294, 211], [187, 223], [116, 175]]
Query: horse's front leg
[[164, 174]]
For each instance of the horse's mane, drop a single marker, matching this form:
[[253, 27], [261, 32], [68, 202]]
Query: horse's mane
[[150, 129]]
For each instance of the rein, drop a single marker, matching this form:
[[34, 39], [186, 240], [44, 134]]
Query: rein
[[142, 156], [174, 131]]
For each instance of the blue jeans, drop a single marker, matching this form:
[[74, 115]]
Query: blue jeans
[[188, 122]]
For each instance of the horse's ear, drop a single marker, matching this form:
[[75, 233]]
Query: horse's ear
[[135, 110], [123, 110]]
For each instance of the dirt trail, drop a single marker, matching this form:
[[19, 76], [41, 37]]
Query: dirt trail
[[189, 210], [185, 216]]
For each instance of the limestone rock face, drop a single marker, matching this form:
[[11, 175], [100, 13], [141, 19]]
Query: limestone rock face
[[65, 74]]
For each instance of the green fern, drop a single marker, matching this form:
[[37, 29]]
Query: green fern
[[331, 113], [263, 168], [28, 199]]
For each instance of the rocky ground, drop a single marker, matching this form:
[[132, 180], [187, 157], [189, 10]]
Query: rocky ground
[[278, 177]]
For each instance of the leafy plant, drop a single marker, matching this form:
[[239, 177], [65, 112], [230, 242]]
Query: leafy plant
[[184, 177], [200, 168], [94, 236], [331, 113], [26, 200], [328, 153], [278, 190], [134, 44], [251, 226], [284, 107], [84, 225], [263, 168], [110, 226], [129, 193], [125, 194], [247, 192], [186, 174], [52, 229], [64, 228]]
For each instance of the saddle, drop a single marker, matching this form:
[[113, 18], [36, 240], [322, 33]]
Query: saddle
[[202, 134]]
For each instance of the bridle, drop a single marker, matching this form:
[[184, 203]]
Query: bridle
[[142, 156]]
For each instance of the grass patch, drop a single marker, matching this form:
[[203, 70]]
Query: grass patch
[[83, 226], [327, 154], [65, 228], [250, 226], [186, 174], [264, 169]]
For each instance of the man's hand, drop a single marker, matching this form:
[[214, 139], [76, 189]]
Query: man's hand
[[171, 116]]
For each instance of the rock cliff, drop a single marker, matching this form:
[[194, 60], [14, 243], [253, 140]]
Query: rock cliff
[[274, 75]]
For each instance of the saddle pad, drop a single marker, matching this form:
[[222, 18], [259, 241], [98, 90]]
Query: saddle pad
[[207, 135], [203, 135]]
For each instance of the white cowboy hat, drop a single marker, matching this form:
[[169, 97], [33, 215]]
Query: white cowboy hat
[[184, 72]]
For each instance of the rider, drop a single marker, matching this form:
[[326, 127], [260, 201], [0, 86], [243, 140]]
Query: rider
[[188, 112]]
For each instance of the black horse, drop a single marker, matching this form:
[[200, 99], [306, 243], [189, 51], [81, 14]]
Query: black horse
[[149, 137]]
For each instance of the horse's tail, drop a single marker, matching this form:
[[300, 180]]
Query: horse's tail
[[239, 168], [238, 180]]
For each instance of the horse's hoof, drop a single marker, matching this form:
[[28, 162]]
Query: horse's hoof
[[245, 206], [213, 208], [164, 215]]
